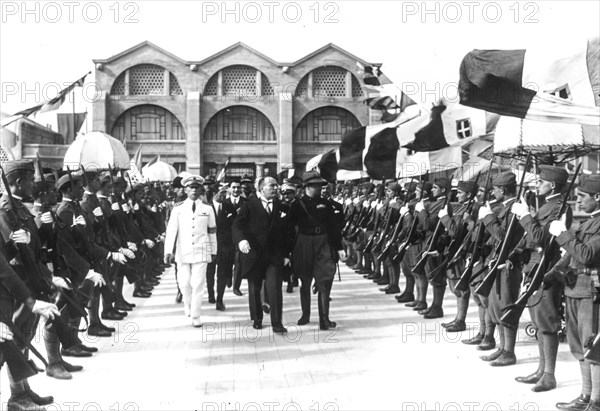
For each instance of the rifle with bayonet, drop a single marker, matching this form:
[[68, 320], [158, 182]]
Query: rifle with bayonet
[[477, 245], [504, 248], [377, 218], [551, 250], [419, 268], [413, 227]]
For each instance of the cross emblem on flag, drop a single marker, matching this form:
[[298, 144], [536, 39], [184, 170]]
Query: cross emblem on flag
[[463, 128]]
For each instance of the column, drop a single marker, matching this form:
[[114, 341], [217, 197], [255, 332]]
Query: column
[[286, 130], [192, 133]]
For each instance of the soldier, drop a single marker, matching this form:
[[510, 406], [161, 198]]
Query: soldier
[[405, 213], [247, 186], [236, 199], [543, 304], [288, 196], [191, 236], [578, 269], [428, 220], [453, 225], [508, 281], [317, 249]]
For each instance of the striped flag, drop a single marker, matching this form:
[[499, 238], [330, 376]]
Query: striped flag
[[223, 172], [56, 102], [544, 85]]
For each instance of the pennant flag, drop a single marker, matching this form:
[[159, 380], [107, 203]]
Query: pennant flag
[[56, 102], [69, 125], [154, 160], [39, 170], [223, 172], [544, 85]]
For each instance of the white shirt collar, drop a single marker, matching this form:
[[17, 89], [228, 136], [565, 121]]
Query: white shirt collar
[[263, 199], [67, 199], [17, 197], [595, 213], [101, 196], [88, 192], [552, 196]]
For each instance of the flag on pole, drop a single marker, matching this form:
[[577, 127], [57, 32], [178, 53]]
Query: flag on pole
[[223, 172], [545, 85], [56, 102]]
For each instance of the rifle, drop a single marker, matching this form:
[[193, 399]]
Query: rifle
[[413, 228], [351, 218], [375, 216], [35, 278], [397, 229], [419, 268], [513, 311], [502, 251], [477, 250], [357, 225]]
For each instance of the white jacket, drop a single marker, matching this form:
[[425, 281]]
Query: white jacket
[[193, 236]]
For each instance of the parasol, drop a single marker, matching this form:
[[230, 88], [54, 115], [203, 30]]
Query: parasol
[[159, 171], [96, 151]]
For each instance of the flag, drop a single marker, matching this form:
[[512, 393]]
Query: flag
[[223, 172], [66, 122], [56, 102], [154, 160], [39, 171], [545, 85]]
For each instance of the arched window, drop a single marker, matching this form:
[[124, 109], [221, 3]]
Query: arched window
[[147, 122], [329, 81], [238, 80], [239, 123], [325, 124], [146, 80]]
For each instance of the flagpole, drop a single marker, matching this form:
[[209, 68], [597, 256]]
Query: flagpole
[[73, 114]]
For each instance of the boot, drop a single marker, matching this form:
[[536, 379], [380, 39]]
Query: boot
[[55, 367], [546, 383], [22, 402], [475, 340], [578, 404], [405, 297]]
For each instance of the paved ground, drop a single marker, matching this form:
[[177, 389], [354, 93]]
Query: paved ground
[[382, 356]]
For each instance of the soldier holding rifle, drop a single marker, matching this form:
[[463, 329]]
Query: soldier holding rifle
[[578, 268]]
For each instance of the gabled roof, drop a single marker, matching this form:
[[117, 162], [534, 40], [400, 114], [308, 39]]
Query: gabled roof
[[334, 47], [137, 47], [239, 44]]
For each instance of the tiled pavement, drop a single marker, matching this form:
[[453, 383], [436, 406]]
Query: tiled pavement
[[382, 356]]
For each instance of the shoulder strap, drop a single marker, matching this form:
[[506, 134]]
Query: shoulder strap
[[312, 218]]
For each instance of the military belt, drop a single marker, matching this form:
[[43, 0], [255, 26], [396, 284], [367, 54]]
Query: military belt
[[586, 271], [312, 230]]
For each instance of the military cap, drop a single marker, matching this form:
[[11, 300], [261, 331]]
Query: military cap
[[18, 166], [287, 188], [505, 178], [443, 182], [40, 186], [591, 184], [192, 179], [393, 186], [554, 174], [425, 186], [138, 186], [246, 179], [313, 178], [177, 182], [294, 181], [50, 177], [208, 180], [466, 186], [65, 179], [105, 178]]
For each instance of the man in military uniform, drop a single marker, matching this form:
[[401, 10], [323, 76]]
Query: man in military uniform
[[508, 280], [428, 220], [191, 242], [578, 268], [543, 304], [453, 225], [317, 249]]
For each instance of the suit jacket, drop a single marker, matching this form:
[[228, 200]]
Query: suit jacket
[[238, 206], [224, 220], [268, 237], [191, 235]]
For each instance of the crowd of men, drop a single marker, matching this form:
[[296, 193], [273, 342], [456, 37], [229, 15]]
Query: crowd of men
[[488, 240]]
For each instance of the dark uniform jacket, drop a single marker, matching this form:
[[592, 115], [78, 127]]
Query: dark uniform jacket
[[320, 214]]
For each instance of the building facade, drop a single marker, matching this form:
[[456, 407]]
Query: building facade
[[237, 105]]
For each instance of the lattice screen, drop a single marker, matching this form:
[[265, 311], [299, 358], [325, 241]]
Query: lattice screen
[[3, 159], [211, 87], [329, 82], [239, 80], [266, 88], [356, 88], [302, 89], [146, 79], [118, 88], [174, 86]]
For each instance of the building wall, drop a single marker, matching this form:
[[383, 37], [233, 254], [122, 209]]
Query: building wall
[[194, 110]]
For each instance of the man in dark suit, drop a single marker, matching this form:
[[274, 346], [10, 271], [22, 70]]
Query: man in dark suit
[[261, 233], [225, 214], [236, 200]]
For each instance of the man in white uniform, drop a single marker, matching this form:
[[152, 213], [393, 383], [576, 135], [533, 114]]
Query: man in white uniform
[[191, 235]]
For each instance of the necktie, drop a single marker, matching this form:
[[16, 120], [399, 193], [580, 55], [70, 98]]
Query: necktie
[[194, 207], [269, 210]]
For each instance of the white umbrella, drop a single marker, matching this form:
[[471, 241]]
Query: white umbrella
[[96, 151], [159, 171]]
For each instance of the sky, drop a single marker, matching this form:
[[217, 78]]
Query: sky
[[44, 45]]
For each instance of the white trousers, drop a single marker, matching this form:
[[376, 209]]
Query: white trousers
[[192, 283]]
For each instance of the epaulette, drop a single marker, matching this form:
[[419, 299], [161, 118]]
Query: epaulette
[[178, 204]]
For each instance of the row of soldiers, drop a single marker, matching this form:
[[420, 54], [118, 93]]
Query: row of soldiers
[[67, 244], [488, 245]]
